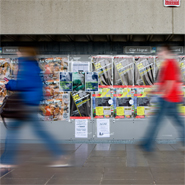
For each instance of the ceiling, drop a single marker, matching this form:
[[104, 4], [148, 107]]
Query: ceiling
[[92, 38]]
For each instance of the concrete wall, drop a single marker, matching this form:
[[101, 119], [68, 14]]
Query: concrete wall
[[179, 19], [90, 17], [120, 131]]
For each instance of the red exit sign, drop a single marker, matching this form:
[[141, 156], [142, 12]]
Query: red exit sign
[[171, 2]]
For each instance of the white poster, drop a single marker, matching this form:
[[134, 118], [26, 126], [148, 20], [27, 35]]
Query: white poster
[[80, 66], [103, 128], [81, 128]]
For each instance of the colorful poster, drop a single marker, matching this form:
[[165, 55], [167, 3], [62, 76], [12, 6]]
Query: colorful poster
[[78, 81], [182, 67], [14, 68], [182, 105], [5, 68], [144, 70], [51, 88], [81, 128], [91, 81], [123, 70], [65, 81], [103, 103], [55, 109], [80, 66], [80, 105], [123, 103], [4, 75], [53, 65], [103, 128], [142, 104], [50, 74], [3, 92], [104, 67], [157, 67]]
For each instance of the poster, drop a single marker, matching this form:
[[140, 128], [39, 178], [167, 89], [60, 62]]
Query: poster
[[157, 67], [142, 103], [5, 68], [3, 92], [144, 70], [65, 81], [4, 74], [104, 67], [182, 67], [80, 66], [55, 109], [50, 74], [52, 66], [123, 70], [80, 105], [103, 103], [13, 67], [81, 128], [51, 88], [182, 105], [123, 103], [78, 81], [91, 81], [103, 128]]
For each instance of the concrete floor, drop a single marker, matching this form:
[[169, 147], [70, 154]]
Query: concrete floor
[[99, 164]]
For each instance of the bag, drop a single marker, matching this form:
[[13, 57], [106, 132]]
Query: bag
[[13, 107]]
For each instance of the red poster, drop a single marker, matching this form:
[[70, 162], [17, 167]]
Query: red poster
[[171, 2]]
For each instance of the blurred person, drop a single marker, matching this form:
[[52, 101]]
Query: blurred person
[[29, 84], [170, 89]]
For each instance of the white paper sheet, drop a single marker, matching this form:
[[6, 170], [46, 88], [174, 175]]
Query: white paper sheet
[[80, 66], [103, 128], [81, 128]]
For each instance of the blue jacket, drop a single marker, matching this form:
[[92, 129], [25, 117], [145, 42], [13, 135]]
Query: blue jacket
[[28, 81]]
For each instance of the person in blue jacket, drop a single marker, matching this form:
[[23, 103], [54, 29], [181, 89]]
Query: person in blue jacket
[[29, 85]]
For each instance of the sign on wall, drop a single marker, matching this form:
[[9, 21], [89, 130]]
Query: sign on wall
[[139, 50], [81, 128], [103, 128], [10, 50], [171, 2]]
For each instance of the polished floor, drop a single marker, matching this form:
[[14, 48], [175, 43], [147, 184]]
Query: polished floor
[[95, 164]]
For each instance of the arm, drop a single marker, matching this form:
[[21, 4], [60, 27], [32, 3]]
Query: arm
[[28, 78], [168, 87], [11, 85]]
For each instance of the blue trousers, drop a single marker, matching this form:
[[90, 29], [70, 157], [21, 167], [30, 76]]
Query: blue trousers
[[11, 141], [169, 109]]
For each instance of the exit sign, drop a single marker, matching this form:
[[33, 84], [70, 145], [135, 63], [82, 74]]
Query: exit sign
[[171, 2]]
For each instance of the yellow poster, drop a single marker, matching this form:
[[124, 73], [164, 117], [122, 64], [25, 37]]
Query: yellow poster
[[140, 111], [120, 111], [182, 109], [99, 111]]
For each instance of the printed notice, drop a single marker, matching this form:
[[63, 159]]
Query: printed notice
[[81, 128], [65, 81], [103, 128], [80, 66]]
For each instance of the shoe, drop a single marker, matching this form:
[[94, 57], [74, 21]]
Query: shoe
[[58, 165], [8, 166], [143, 147]]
